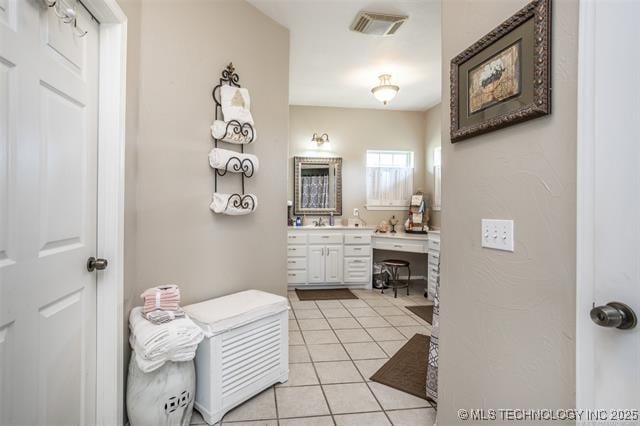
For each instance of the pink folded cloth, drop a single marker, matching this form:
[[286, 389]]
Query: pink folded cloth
[[165, 298]]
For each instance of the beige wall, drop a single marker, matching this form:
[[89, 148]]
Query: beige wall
[[352, 131], [508, 319], [433, 138], [176, 54]]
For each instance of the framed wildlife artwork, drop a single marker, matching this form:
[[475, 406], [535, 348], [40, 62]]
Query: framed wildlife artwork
[[505, 77]]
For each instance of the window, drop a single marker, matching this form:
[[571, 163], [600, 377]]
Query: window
[[389, 179]]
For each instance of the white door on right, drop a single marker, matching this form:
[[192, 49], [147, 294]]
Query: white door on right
[[608, 249]]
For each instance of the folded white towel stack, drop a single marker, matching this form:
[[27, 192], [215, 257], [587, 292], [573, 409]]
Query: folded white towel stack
[[242, 163], [233, 204], [233, 133], [236, 104], [155, 344]]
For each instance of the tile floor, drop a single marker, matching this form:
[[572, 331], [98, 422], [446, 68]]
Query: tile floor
[[334, 347]]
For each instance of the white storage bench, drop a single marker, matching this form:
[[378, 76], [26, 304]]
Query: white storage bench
[[245, 350]]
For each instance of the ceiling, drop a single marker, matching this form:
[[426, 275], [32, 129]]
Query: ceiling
[[333, 66]]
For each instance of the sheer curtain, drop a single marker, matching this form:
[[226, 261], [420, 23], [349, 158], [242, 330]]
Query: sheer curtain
[[389, 186], [315, 192]]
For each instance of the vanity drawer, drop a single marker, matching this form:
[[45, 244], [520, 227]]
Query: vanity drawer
[[297, 263], [297, 239], [357, 269], [297, 277], [325, 238], [296, 251], [357, 250], [357, 239], [408, 246]]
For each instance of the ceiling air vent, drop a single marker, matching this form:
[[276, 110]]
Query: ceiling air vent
[[377, 23]]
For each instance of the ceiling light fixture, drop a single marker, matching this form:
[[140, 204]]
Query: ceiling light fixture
[[320, 139], [385, 91]]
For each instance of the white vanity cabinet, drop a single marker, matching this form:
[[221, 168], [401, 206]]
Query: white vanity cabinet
[[329, 256], [433, 267]]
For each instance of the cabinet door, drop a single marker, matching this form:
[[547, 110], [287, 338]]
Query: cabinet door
[[333, 267], [315, 264]]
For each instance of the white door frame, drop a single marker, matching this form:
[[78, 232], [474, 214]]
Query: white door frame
[[111, 144], [585, 221]]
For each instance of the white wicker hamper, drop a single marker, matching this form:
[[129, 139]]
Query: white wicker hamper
[[245, 349]]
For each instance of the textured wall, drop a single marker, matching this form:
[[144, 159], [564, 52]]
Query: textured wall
[[176, 53], [352, 131], [508, 319], [433, 138]]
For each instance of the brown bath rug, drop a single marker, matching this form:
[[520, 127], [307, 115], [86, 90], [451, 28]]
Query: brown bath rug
[[330, 294], [407, 369], [423, 311]]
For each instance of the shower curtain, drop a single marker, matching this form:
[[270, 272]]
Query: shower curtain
[[315, 192], [432, 350]]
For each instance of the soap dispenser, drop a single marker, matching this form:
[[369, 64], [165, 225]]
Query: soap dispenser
[[331, 219]]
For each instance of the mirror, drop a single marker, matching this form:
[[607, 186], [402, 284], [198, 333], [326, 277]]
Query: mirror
[[317, 186]]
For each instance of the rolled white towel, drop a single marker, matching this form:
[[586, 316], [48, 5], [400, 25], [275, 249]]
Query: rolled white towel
[[234, 204], [235, 132], [233, 161]]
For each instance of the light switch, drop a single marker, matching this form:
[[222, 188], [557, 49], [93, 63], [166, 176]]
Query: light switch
[[497, 234]]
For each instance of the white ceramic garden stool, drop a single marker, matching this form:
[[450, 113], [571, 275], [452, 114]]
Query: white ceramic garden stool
[[245, 349], [163, 397]]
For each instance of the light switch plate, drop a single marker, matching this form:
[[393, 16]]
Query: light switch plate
[[497, 234]]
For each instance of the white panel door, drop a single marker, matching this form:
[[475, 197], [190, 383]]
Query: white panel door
[[315, 262], [48, 180], [333, 264], [608, 358]]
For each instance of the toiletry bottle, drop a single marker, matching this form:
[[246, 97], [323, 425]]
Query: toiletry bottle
[[298, 221], [331, 220]]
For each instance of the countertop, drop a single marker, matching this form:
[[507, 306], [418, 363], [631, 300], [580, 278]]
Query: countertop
[[402, 235], [329, 228]]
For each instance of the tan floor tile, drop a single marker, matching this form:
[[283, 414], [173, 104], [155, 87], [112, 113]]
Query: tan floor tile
[[391, 347], [369, 350], [384, 334], [291, 315], [354, 303], [196, 418], [343, 323], [336, 313], [418, 416], [305, 304], [298, 354], [301, 375], [368, 367], [319, 337], [308, 313], [260, 407], [392, 399], [301, 401], [354, 335], [399, 320], [328, 304], [364, 419], [350, 398], [373, 322], [327, 352], [295, 338], [313, 324], [337, 372], [363, 312], [307, 421], [253, 423], [388, 310], [410, 330], [378, 302], [293, 325]]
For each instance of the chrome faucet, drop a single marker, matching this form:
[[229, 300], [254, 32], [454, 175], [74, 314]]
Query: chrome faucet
[[320, 222]]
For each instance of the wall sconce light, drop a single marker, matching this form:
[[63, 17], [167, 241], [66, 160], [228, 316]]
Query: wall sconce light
[[320, 139], [385, 91]]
